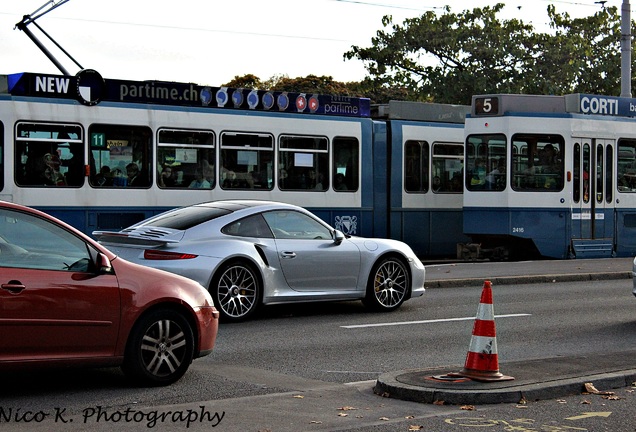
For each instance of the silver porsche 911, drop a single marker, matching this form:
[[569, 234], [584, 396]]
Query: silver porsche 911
[[249, 253]]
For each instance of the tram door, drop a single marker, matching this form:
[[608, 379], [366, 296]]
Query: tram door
[[592, 194]]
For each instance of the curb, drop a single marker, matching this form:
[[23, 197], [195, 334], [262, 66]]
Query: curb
[[389, 386], [503, 280]]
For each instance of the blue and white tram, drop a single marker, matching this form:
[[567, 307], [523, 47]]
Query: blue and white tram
[[102, 154], [425, 172], [551, 176]]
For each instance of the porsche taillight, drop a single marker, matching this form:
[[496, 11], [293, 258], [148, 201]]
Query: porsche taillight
[[151, 254]]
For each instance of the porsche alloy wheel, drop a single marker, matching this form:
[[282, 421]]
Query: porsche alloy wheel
[[237, 292], [388, 285]]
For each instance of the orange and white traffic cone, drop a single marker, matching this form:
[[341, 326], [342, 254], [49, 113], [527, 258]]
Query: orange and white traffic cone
[[482, 362]]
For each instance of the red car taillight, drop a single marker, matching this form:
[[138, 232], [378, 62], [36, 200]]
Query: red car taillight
[[150, 254]]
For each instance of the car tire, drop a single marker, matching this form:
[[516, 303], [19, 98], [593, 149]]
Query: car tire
[[160, 348], [237, 291], [388, 285]]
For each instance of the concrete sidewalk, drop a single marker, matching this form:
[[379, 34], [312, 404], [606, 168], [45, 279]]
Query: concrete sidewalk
[[545, 378], [470, 273]]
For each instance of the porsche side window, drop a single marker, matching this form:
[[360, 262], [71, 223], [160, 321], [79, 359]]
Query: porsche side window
[[295, 225], [252, 226], [30, 242]]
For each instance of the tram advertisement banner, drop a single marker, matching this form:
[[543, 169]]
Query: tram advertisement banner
[[89, 88]]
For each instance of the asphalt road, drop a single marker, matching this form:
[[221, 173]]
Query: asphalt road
[[313, 368]]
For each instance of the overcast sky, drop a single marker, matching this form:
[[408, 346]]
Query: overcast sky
[[209, 42]]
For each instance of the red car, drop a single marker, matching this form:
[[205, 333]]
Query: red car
[[65, 300]]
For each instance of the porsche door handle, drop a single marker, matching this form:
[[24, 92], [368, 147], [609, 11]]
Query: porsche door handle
[[288, 255]]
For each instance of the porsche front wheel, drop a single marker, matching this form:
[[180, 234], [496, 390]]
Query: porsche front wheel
[[388, 285]]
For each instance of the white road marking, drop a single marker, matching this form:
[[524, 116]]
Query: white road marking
[[427, 321]]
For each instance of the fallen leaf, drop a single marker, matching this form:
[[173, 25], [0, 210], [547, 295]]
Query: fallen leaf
[[521, 406], [410, 417], [561, 401], [589, 387], [586, 402], [384, 418], [438, 402], [347, 408], [611, 397], [299, 396], [342, 414], [523, 401], [467, 407], [415, 427]]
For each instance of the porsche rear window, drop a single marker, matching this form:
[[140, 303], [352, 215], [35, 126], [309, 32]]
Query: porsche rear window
[[186, 217]]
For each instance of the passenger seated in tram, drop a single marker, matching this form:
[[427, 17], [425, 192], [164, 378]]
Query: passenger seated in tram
[[456, 182], [478, 175], [75, 172], [52, 174], [437, 184], [166, 177], [282, 178], [230, 181], [548, 159], [132, 170], [339, 182], [104, 177], [497, 177], [199, 182]]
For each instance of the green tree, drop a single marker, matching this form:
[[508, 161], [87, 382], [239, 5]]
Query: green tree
[[450, 57], [249, 81], [315, 84], [582, 56]]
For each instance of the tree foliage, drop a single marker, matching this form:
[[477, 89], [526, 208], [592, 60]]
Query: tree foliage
[[308, 84], [449, 57]]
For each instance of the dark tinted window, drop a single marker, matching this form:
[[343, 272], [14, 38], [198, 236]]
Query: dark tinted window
[[252, 226], [186, 217]]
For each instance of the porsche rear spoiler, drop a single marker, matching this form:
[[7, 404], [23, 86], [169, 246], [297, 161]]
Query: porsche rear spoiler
[[133, 239]]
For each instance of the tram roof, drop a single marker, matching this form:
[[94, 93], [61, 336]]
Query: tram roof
[[420, 111], [578, 103], [89, 88]]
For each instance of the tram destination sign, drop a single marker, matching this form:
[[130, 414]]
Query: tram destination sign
[[600, 105], [89, 88]]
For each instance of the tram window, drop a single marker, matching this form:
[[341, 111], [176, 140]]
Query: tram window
[[447, 168], [599, 173], [247, 161], [1, 156], [609, 174], [626, 172], [185, 159], [486, 167], [576, 180], [416, 166], [121, 155], [303, 163], [346, 153], [587, 155], [539, 165], [48, 154]]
